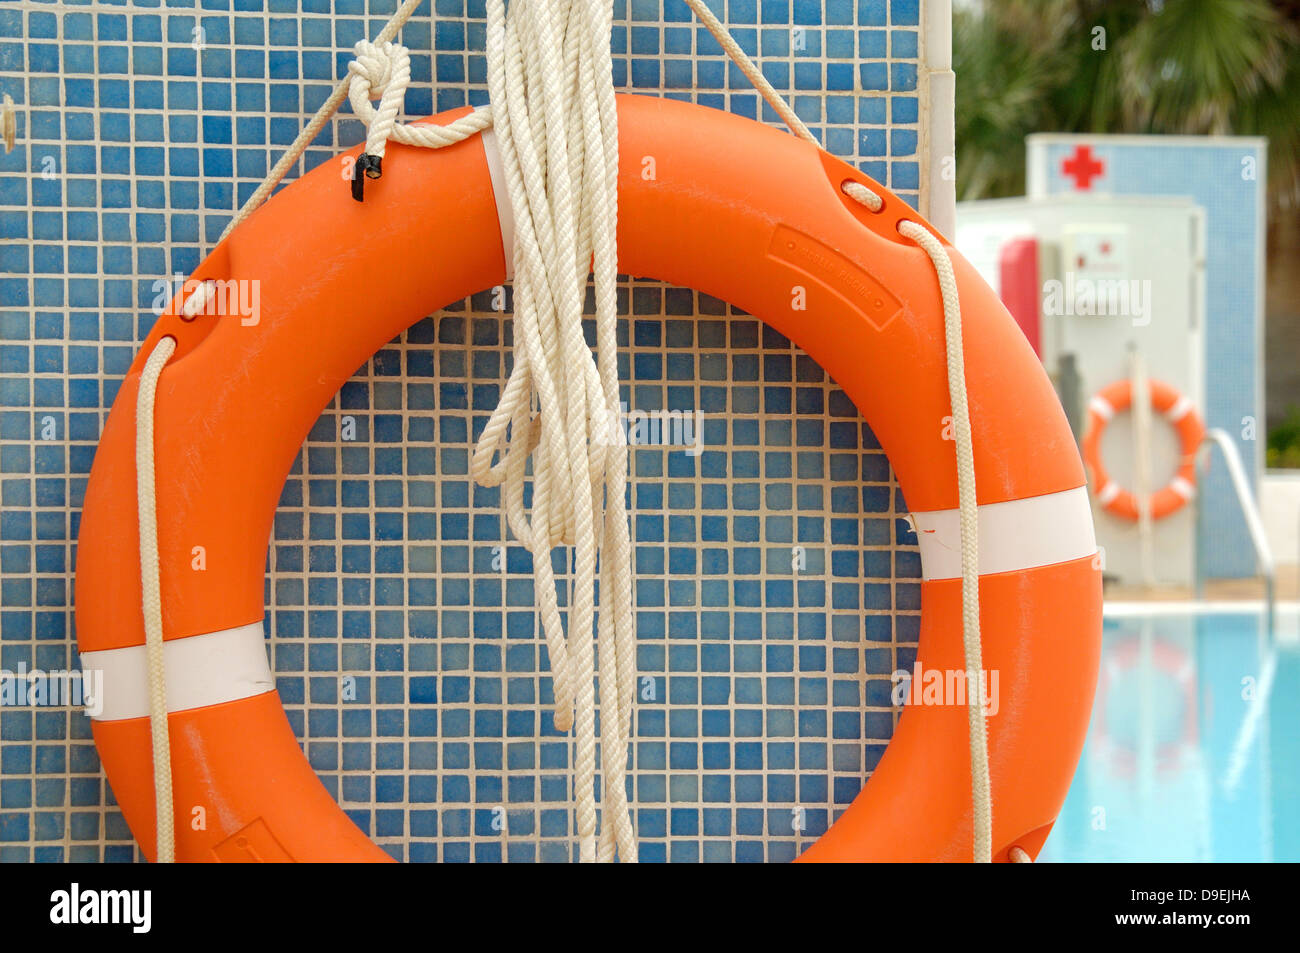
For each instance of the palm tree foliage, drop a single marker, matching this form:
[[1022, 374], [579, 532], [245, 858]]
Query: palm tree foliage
[[1131, 66]]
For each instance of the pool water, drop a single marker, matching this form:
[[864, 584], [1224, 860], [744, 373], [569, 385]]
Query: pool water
[[1193, 751]]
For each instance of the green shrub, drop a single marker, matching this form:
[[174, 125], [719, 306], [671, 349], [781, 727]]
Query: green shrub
[[1284, 441]]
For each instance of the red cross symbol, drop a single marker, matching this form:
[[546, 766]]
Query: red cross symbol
[[1083, 167]]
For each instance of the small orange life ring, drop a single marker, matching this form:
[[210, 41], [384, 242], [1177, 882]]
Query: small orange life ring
[[736, 209], [1175, 408]]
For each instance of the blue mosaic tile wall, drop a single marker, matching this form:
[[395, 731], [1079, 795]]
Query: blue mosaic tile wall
[[776, 585]]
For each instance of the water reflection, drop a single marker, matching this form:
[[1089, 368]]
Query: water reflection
[[1193, 753]]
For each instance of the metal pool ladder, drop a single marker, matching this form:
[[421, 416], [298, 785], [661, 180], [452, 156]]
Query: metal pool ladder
[[1249, 509]]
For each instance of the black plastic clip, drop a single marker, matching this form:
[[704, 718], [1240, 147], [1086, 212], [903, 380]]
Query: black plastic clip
[[367, 167]]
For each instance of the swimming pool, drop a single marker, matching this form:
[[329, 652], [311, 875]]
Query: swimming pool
[[1193, 752]]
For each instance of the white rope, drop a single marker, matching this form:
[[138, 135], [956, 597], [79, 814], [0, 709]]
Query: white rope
[[774, 99], [151, 592], [551, 86], [864, 196], [981, 790], [750, 69]]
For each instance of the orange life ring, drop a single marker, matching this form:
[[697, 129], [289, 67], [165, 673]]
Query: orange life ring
[[1175, 408], [736, 209]]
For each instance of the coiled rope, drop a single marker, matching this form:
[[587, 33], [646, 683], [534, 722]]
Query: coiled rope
[[554, 115], [550, 80]]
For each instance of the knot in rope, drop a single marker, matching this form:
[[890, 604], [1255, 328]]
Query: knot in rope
[[380, 71], [375, 65]]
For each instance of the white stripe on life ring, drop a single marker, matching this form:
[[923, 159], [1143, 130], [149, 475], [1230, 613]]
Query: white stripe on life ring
[[505, 212], [1018, 534], [1182, 488], [1108, 493], [1101, 407], [1182, 407], [201, 670]]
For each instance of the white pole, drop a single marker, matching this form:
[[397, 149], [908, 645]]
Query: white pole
[[1142, 462], [938, 103]]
